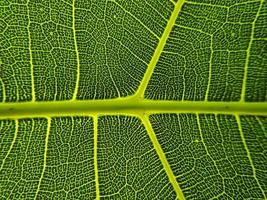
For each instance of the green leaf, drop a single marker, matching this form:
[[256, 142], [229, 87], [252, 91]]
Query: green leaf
[[133, 99]]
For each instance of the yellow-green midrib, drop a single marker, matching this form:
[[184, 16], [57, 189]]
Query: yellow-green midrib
[[126, 107]]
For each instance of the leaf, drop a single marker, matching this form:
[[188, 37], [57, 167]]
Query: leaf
[[133, 99]]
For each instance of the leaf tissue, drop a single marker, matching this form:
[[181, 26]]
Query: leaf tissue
[[133, 99]]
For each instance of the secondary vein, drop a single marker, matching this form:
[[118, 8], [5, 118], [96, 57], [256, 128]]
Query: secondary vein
[[248, 154], [162, 157], [243, 92], [3, 89], [95, 118], [76, 52], [151, 66], [12, 144], [45, 156], [30, 53]]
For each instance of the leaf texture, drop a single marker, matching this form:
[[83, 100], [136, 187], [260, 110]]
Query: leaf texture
[[133, 99]]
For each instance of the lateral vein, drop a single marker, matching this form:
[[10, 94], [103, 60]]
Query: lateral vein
[[45, 155], [248, 154], [95, 118], [151, 66], [76, 52], [244, 84], [162, 157], [30, 53], [12, 144], [3, 89]]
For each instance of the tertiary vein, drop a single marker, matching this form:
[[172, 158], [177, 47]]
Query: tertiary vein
[[210, 69]]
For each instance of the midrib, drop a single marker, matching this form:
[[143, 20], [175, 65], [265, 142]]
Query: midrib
[[126, 106]]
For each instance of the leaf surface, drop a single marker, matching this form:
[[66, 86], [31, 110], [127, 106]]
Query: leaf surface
[[133, 99]]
